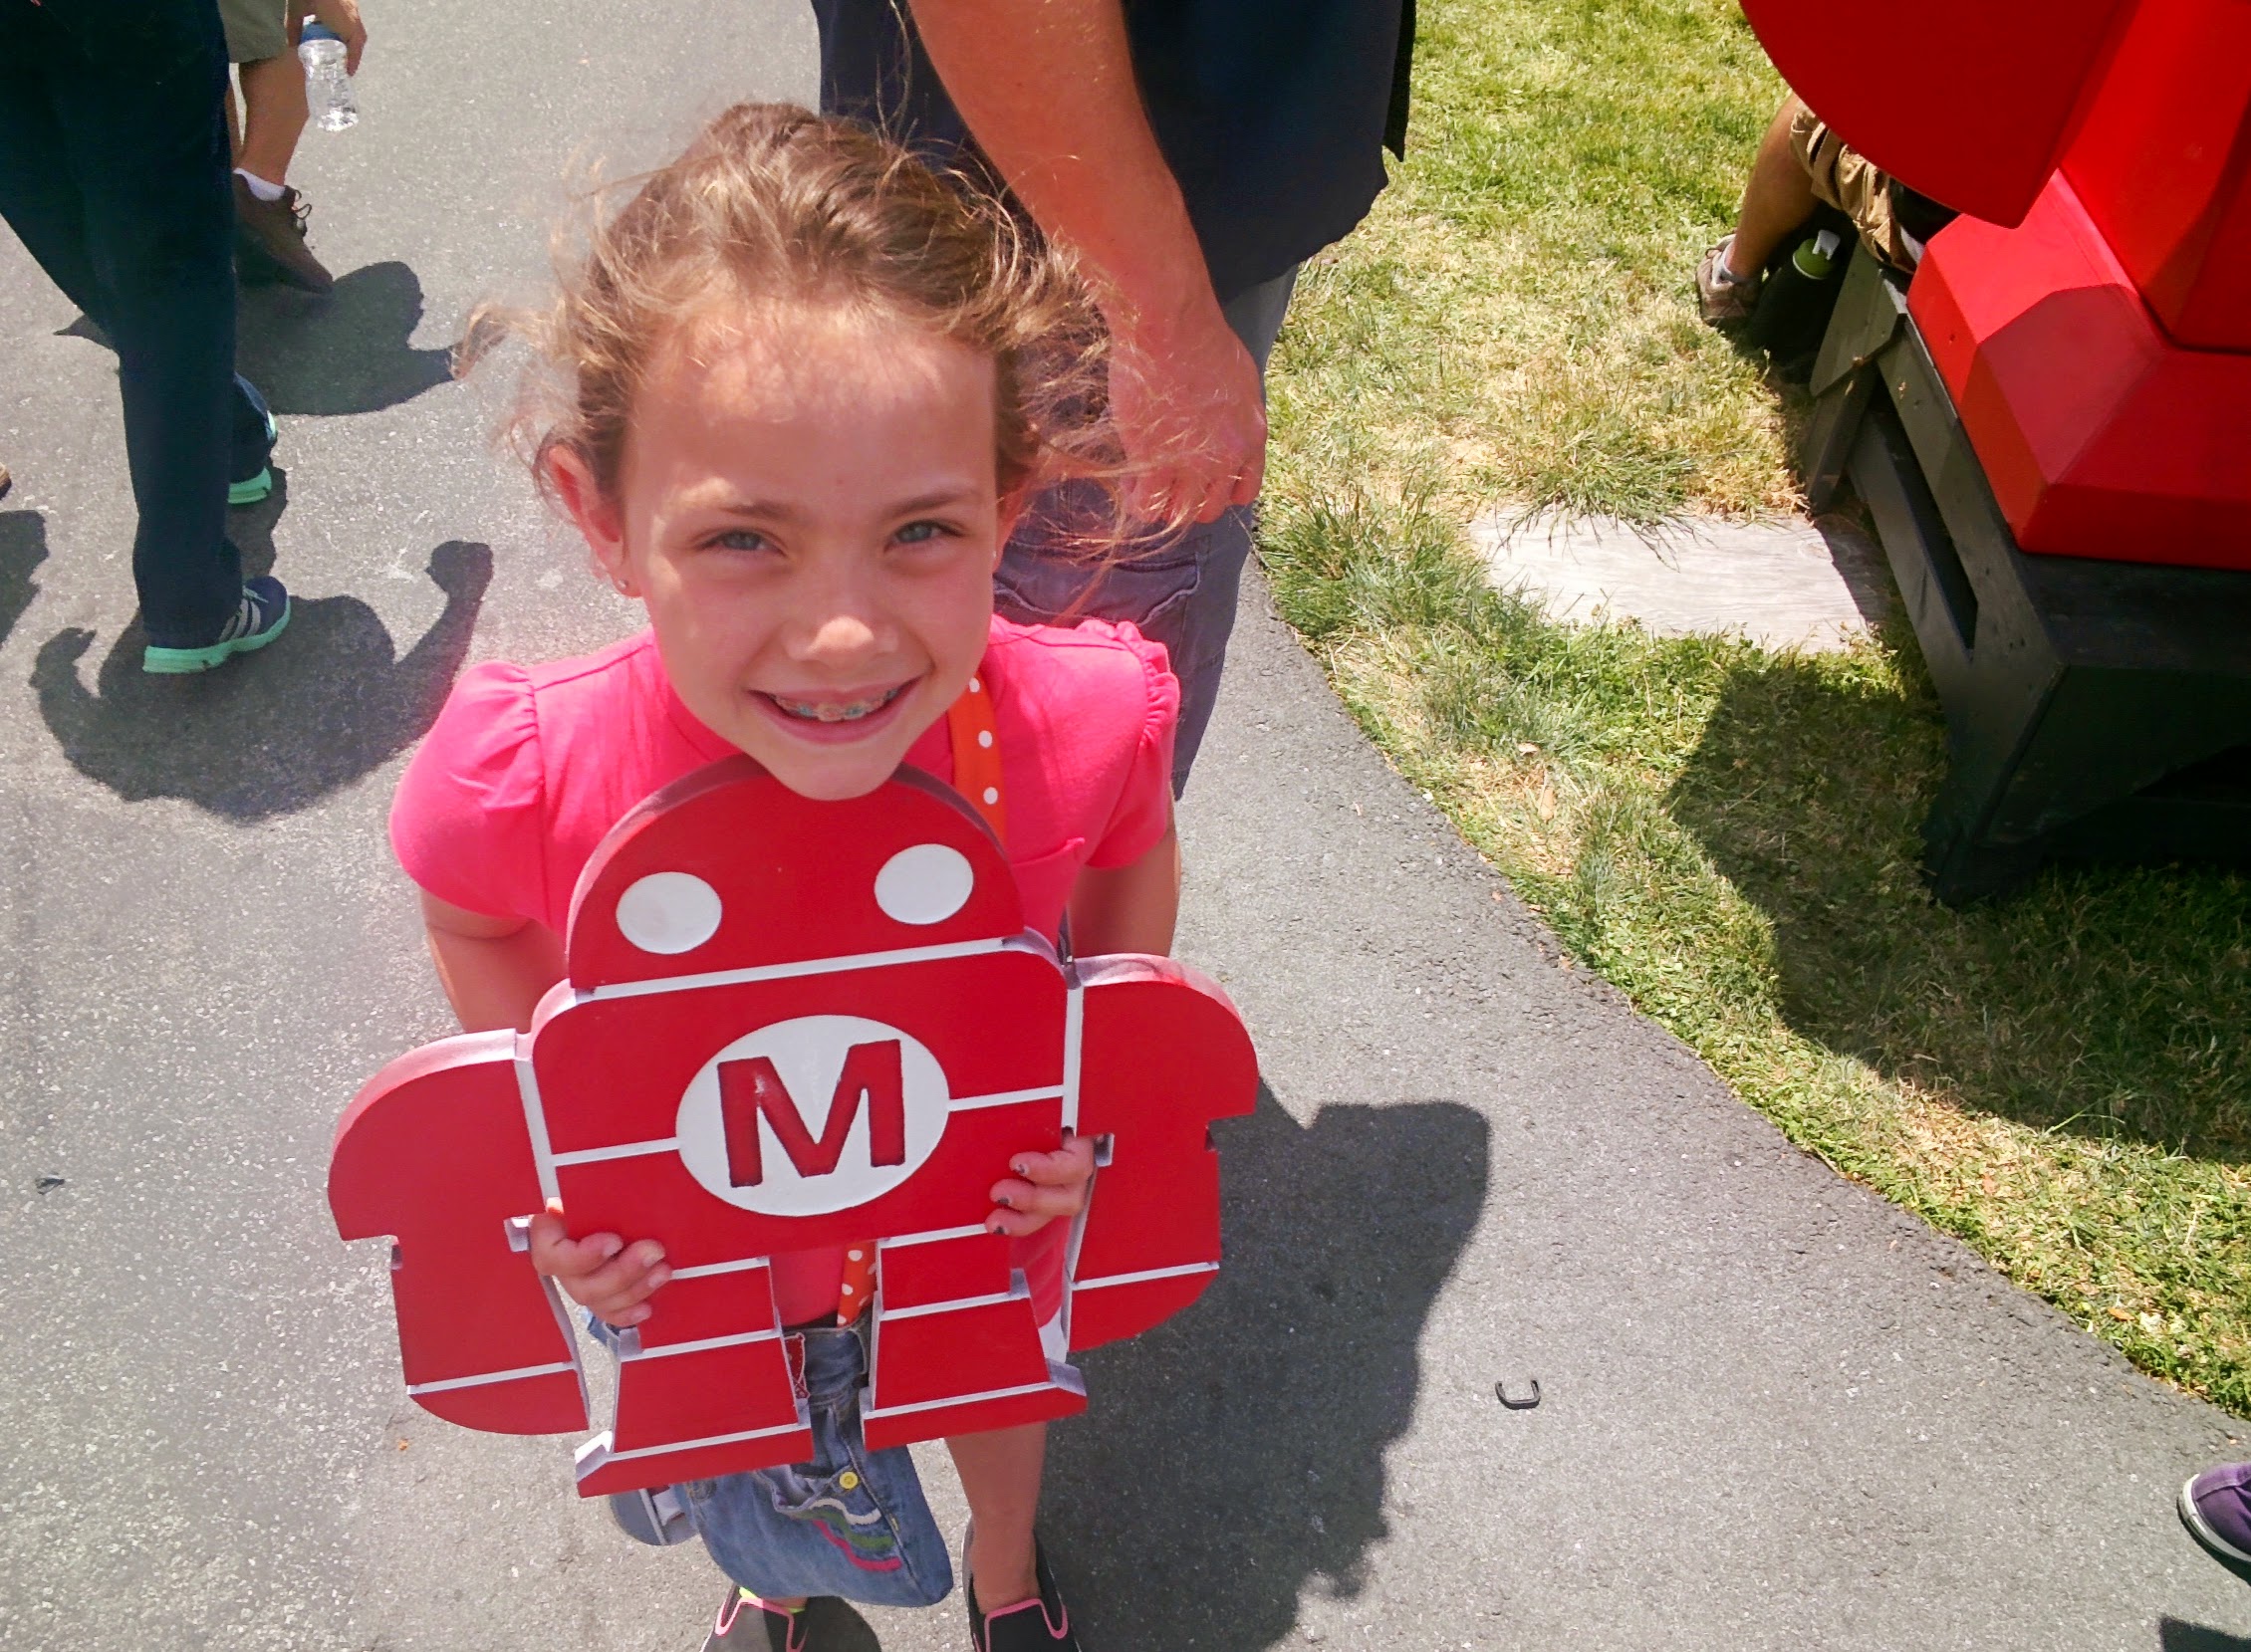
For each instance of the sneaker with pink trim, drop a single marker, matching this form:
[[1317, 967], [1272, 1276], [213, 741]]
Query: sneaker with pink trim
[[748, 1625], [1039, 1623]]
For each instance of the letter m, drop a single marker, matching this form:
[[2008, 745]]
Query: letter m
[[751, 1089]]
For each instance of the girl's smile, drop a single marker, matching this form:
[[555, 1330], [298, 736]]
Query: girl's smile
[[808, 503], [835, 719]]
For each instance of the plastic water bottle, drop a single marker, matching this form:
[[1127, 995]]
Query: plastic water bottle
[[328, 89], [1795, 305]]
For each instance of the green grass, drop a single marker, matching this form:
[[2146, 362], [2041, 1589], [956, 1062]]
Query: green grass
[[1729, 835]]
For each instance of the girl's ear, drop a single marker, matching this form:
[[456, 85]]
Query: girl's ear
[[1011, 512], [595, 513]]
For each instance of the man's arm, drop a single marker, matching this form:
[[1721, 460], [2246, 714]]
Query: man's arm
[[1046, 87]]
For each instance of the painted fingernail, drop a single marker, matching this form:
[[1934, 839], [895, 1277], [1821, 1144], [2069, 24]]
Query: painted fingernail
[[652, 1255], [657, 1277], [611, 1247]]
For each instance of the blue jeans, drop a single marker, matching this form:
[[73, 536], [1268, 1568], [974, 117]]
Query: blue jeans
[[114, 169], [850, 1522], [1180, 594]]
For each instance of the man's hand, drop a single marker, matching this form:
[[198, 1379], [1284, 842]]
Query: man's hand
[[1185, 396], [601, 1273], [340, 18], [1050, 93], [1045, 1186]]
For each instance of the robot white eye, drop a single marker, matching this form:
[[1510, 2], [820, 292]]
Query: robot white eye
[[925, 884], [668, 912]]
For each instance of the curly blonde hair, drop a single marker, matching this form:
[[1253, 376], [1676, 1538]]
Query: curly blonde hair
[[774, 203]]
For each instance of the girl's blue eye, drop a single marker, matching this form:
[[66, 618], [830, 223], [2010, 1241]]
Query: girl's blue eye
[[921, 533], [742, 538]]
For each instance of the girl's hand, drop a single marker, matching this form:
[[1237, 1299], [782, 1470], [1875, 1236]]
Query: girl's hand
[[1045, 1186], [601, 1273]]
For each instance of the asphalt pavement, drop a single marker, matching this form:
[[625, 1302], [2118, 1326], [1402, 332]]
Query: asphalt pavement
[[1775, 1411]]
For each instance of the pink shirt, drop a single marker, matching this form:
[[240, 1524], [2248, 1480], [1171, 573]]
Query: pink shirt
[[527, 769]]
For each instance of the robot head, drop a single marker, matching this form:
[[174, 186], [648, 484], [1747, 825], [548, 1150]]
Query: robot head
[[681, 888]]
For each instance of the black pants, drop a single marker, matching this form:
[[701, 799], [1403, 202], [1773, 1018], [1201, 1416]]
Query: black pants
[[115, 171]]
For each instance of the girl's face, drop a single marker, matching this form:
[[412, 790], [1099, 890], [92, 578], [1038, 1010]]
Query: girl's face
[[807, 505]]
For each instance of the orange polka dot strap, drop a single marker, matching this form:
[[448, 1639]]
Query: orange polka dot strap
[[976, 776], [976, 756]]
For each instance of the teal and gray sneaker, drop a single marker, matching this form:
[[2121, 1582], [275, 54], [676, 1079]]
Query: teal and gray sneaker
[[261, 616], [255, 433]]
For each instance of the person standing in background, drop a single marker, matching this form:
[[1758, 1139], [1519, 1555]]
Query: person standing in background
[[1191, 153], [269, 215], [113, 172]]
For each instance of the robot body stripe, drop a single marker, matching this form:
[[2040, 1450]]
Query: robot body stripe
[[600, 1443], [704, 1346], [535, 1120], [483, 1377], [956, 1306], [953, 1400], [933, 1237], [1147, 1276], [1073, 1041], [810, 966], [738, 1266], [623, 1150]]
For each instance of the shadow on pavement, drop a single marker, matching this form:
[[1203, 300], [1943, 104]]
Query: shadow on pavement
[[1237, 1451], [834, 1626], [347, 351], [2103, 1002], [2176, 1636], [275, 731], [23, 546]]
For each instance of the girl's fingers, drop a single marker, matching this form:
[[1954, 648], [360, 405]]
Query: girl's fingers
[[1023, 1199], [1016, 1223], [1072, 1162], [556, 1253], [631, 1294]]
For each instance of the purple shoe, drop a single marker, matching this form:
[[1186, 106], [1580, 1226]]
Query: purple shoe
[[2216, 1509]]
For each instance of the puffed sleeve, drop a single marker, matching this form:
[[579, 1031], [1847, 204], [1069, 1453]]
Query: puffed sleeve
[[1145, 802], [468, 823]]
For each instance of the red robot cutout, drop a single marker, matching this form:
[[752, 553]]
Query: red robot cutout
[[789, 1025], [2091, 321]]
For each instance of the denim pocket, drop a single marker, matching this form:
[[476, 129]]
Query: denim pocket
[[842, 1508], [1150, 591]]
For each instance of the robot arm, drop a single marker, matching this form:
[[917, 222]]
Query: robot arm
[[1162, 1054], [437, 1152]]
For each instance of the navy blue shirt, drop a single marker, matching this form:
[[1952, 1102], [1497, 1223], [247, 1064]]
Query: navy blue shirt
[[1271, 113]]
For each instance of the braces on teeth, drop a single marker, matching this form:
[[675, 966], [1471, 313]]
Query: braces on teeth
[[834, 713]]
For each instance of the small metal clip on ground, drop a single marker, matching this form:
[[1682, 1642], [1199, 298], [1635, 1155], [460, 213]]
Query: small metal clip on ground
[[1502, 1390]]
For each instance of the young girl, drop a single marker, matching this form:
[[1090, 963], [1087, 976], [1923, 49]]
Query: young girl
[[807, 385]]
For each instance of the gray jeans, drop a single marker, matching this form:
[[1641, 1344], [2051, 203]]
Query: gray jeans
[[1182, 593]]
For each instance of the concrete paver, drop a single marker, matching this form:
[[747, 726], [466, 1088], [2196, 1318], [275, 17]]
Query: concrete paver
[[1778, 1412], [1813, 585]]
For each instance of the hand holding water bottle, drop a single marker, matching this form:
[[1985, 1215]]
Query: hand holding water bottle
[[331, 37]]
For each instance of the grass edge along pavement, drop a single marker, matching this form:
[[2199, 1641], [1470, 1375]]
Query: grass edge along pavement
[[1727, 834]]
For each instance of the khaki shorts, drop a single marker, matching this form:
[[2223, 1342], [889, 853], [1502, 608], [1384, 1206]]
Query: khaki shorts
[[256, 29], [1847, 181]]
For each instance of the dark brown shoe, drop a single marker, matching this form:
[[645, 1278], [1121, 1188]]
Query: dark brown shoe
[[269, 240]]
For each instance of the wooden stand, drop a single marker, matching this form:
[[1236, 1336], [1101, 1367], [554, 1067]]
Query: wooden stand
[[2094, 709]]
